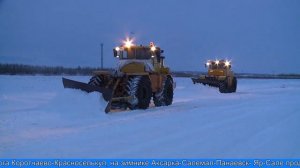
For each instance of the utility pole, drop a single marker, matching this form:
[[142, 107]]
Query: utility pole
[[101, 55]]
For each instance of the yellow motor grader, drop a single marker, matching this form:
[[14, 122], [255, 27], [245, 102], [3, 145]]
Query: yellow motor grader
[[140, 76], [219, 75]]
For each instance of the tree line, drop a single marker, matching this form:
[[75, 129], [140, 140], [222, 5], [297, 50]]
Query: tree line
[[21, 69]]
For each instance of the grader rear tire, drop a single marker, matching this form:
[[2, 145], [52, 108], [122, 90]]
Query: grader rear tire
[[139, 87]]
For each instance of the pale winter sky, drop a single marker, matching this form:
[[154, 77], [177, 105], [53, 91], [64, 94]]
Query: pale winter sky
[[260, 36]]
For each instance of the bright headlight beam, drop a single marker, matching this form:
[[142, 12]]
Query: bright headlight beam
[[128, 43], [153, 48], [227, 63], [117, 48]]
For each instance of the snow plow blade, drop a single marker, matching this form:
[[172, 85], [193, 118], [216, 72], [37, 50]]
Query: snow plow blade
[[198, 80], [106, 93], [207, 81], [194, 80]]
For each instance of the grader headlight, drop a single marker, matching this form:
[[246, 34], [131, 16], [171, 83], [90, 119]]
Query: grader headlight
[[153, 48], [227, 63], [128, 43], [207, 64]]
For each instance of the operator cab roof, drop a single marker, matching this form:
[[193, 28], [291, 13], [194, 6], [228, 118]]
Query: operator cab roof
[[130, 51]]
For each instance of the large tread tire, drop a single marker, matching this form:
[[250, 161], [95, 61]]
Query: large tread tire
[[96, 81], [234, 85], [139, 87], [223, 87], [165, 96]]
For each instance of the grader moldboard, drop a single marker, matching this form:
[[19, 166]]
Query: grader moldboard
[[219, 75], [139, 76]]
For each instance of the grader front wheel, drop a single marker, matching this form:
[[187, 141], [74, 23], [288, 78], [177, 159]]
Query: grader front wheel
[[165, 96], [225, 88], [139, 87], [234, 85]]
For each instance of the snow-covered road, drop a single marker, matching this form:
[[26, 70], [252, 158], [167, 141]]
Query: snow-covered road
[[40, 119]]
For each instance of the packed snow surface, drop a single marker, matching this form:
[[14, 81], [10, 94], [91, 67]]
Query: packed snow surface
[[41, 119]]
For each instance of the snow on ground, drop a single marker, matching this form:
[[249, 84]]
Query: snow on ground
[[41, 119]]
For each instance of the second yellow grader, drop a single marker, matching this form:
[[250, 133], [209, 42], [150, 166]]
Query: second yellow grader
[[219, 75]]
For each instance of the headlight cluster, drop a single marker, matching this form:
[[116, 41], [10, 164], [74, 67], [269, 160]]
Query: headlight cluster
[[129, 45], [217, 62]]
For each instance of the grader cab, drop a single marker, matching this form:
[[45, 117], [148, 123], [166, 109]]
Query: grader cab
[[139, 76], [219, 75]]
